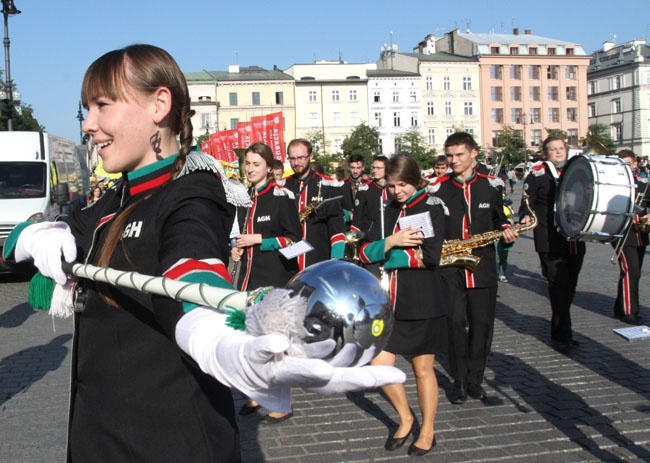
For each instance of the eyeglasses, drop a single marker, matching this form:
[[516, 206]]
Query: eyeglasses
[[298, 158]]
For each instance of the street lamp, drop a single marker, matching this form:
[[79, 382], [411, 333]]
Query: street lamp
[[80, 118], [8, 8]]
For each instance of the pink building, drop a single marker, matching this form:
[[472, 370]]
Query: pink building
[[527, 82]]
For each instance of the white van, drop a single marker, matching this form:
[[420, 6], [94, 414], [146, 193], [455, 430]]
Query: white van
[[41, 177]]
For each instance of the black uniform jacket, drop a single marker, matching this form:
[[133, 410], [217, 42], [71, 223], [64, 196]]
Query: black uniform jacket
[[636, 239], [475, 207], [324, 229], [135, 395], [416, 286], [541, 186], [367, 209], [274, 214]]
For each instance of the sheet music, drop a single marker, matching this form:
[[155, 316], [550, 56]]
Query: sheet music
[[296, 249], [421, 221]]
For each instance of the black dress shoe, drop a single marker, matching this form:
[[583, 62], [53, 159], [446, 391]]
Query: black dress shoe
[[271, 420], [476, 391], [393, 443], [249, 409], [459, 393], [631, 319], [415, 451]]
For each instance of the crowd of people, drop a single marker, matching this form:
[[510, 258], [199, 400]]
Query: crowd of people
[[152, 377]]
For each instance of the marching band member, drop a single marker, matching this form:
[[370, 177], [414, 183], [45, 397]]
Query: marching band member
[[351, 184], [561, 260], [630, 259], [475, 206], [323, 227]]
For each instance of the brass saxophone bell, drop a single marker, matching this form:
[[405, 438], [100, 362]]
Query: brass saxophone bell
[[353, 240]]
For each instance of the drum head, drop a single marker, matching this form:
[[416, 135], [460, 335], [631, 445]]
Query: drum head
[[575, 197]]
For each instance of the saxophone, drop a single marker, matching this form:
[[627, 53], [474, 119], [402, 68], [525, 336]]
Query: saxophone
[[311, 207], [458, 253]]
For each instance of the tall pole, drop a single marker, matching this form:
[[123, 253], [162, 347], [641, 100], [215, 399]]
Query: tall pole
[[80, 118], [8, 8]]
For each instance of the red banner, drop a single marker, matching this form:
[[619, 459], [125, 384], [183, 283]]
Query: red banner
[[275, 134], [206, 147]]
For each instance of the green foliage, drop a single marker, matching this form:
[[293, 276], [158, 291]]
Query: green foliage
[[317, 139], [23, 120], [363, 140], [557, 133], [414, 144], [202, 138], [598, 138], [512, 146]]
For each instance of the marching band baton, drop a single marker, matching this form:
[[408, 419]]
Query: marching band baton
[[198, 293]]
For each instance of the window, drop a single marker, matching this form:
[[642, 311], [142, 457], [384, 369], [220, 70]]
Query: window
[[353, 95], [572, 114], [553, 93], [233, 123], [515, 116], [515, 72], [591, 108], [496, 137], [532, 50], [336, 118], [495, 50], [533, 93], [496, 93], [615, 82], [376, 97], [572, 137], [616, 105], [431, 136], [467, 83], [551, 51], [414, 118], [617, 132], [468, 108], [570, 72], [571, 93], [569, 51], [395, 96], [552, 72], [449, 132], [377, 119], [413, 96], [381, 145], [592, 87], [430, 109], [313, 96], [256, 98], [497, 116], [336, 96], [336, 145], [535, 137], [446, 83], [554, 114], [535, 115], [514, 50], [205, 120], [534, 72], [448, 111], [496, 71], [232, 98], [313, 119], [429, 83], [515, 93], [396, 119], [354, 118], [279, 97]]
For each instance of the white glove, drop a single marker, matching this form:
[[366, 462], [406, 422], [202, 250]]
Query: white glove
[[45, 242], [258, 366]]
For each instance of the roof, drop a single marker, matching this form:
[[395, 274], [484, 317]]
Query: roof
[[249, 73], [390, 73], [442, 57], [512, 39]]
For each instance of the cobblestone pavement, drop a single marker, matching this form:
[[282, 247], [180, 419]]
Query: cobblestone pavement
[[588, 406]]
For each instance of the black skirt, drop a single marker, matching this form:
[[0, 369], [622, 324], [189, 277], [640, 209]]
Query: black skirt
[[418, 337]]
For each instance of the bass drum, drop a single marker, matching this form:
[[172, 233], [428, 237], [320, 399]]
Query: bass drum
[[595, 198]]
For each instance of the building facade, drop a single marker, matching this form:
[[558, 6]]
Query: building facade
[[530, 83], [619, 93]]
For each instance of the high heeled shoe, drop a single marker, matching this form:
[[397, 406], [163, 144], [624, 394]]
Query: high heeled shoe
[[393, 443], [415, 451]]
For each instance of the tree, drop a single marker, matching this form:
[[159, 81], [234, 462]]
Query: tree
[[413, 143], [317, 139], [363, 140], [557, 133], [512, 146], [599, 140], [202, 138], [22, 117]]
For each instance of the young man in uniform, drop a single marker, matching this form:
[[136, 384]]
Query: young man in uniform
[[351, 184], [475, 206], [322, 225]]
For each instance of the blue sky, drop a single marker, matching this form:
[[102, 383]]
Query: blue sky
[[54, 41]]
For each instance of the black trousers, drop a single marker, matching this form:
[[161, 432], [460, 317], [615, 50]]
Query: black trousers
[[627, 297], [471, 326], [561, 273]]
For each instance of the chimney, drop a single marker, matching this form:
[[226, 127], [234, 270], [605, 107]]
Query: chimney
[[528, 32], [515, 31], [608, 45]]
